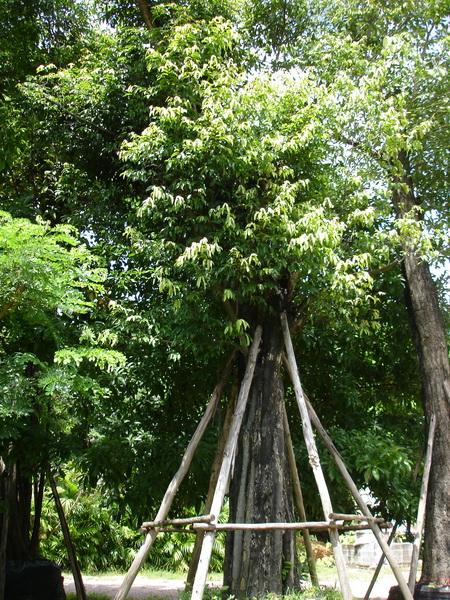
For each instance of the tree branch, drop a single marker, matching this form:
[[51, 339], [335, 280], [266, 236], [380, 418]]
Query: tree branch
[[6, 308], [145, 11]]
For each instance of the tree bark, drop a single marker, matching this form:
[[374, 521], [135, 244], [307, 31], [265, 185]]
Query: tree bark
[[18, 547], [38, 496], [257, 563], [145, 11], [430, 341]]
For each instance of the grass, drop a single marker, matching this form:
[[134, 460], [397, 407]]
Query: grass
[[95, 596], [216, 594]]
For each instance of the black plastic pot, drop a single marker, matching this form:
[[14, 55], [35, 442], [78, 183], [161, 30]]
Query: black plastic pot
[[33, 580], [423, 591]]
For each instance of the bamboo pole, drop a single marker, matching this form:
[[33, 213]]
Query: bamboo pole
[[173, 486], [360, 501], [304, 525], [183, 521], [224, 474], [74, 566], [314, 460], [347, 517], [380, 563], [422, 507], [313, 525], [298, 497], [211, 487]]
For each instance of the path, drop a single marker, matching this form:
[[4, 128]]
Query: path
[[144, 587]]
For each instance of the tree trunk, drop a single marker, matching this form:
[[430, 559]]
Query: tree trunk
[[38, 496], [430, 342], [18, 547], [261, 489]]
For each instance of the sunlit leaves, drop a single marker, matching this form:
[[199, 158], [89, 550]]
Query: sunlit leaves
[[44, 269]]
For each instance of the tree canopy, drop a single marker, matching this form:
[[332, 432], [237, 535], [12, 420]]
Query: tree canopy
[[176, 174]]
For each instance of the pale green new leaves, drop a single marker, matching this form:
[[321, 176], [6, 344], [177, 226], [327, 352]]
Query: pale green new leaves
[[245, 191], [44, 269]]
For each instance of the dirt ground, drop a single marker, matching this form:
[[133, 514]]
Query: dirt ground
[[144, 587]]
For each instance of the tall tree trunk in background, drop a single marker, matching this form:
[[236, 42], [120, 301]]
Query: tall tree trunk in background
[[430, 341], [261, 490], [18, 547], [38, 496]]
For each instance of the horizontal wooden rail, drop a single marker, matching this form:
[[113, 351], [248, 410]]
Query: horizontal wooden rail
[[183, 521], [346, 517], [206, 527], [313, 525]]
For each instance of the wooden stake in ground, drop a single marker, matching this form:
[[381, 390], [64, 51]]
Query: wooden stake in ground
[[360, 501], [314, 460], [224, 474], [74, 566], [212, 486], [172, 489], [298, 497], [422, 506], [380, 563]]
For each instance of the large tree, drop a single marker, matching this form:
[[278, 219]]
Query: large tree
[[249, 207], [254, 185]]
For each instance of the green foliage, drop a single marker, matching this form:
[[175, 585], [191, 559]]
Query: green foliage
[[103, 541], [44, 269], [238, 157], [46, 279], [102, 534]]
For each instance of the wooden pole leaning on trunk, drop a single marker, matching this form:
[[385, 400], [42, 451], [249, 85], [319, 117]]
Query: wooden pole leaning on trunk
[[224, 474], [422, 506], [200, 535], [74, 566], [380, 563], [314, 460], [172, 489], [298, 497], [360, 501]]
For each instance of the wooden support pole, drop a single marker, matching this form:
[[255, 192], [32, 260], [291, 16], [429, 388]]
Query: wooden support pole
[[172, 489], [347, 517], [314, 460], [380, 563], [183, 521], [313, 525], [360, 501], [224, 474], [212, 486], [422, 506], [304, 525], [298, 498], [74, 566]]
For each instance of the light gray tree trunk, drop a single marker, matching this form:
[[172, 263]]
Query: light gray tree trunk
[[431, 346]]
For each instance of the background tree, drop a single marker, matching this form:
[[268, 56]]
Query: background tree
[[45, 274]]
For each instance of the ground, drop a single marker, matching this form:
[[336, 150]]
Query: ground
[[145, 586]]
